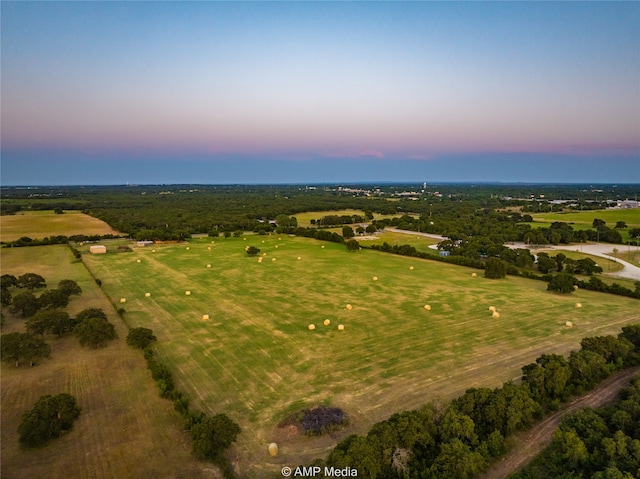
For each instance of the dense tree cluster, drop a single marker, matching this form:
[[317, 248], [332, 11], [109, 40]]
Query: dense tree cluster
[[50, 417], [463, 438], [600, 444], [16, 347]]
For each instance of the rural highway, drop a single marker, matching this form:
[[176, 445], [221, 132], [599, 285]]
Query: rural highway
[[603, 250]]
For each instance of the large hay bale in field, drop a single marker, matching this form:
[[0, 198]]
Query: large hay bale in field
[[263, 241], [273, 449], [153, 251], [273, 259], [213, 242], [209, 248], [244, 239], [496, 314], [349, 307], [123, 300], [299, 258], [279, 239], [246, 248], [311, 327], [575, 287], [276, 246], [340, 327], [578, 305], [473, 275], [410, 268], [492, 309], [427, 307], [205, 317], [322, 246], [327, 322], [208, 265], [187, 248], [259, 260], [147, 295], [375, 278], [187, 293], [568, 324], [138, 261], [264, 254]]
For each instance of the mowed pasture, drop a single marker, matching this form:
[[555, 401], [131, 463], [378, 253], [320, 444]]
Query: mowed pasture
[[124, 430], [255, 359], [42, 224], [581, 220]]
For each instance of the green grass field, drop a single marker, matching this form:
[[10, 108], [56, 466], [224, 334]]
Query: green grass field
[[581, 220], [124, 430], [256, 361], [42, 224], [304, 218]]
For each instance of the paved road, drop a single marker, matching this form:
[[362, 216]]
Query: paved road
[[603, 250]]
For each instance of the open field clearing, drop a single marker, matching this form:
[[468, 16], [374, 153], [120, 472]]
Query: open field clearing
[[255, 359], [421, 243], [124, 430], [42, 224], [582, 220]]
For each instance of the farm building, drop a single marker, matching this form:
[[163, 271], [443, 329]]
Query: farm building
[[144, 243], [97, 249], [444, 253]]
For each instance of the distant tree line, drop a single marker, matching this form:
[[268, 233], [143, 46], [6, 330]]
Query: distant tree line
[[463, 438]]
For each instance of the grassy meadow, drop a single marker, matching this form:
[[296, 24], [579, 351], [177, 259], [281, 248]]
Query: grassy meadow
[[124, 430], [255, 359], [582, 220], [42, 224]]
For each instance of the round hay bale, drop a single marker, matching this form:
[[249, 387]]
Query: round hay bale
[[208, 266], [575, 287], [473, 275], [273, 259], [244, 239], [427, 307], [492, 308], [276, 246], [568, 324], [299, 258], [340, 327], [410, 268], [327, 322], [209, 248], [263, 241], [138, 261], [205, 317], [273, 449], [578, 305], [375, 278], [259, 260], [123, 300], [147, 295], [213, 242], [187, 248], [322, 246], [264, 254], [187, 293], [279, 239], [349, 307], [496, 314], [153, 251], [246, 248], [311, 327]]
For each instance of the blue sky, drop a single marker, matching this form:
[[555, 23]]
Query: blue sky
[[224, 92]]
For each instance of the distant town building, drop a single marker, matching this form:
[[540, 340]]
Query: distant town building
[[97, 249]]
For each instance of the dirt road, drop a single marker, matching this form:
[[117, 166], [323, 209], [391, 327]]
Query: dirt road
[[531, 442]]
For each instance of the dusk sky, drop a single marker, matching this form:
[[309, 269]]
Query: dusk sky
[[313, 92]]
